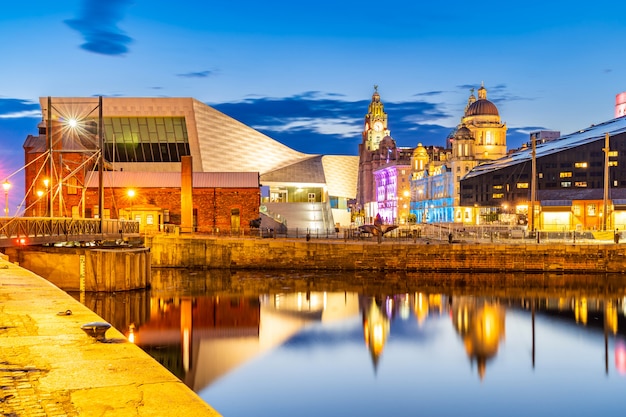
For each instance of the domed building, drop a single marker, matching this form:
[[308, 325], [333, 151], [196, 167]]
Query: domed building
[[483, 121], [479, 138], [435, 185]]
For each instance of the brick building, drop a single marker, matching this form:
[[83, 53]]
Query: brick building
[[149, 137]]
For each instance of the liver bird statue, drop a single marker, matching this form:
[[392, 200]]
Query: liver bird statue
[[379, 228]]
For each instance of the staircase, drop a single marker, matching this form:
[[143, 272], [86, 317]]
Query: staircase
[[301, 216]]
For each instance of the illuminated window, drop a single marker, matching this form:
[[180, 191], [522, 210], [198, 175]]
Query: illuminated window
[[498, 195], [566, 184], [145, 139], [613, 153], [591, 209], [497, 187], [488, 138], [565, 174], [540, 175], [580, 184], [522, 185], [577, 210], [612, 163], [580, 165]]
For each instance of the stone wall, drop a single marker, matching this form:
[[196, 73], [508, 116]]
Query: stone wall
[[210, 252]]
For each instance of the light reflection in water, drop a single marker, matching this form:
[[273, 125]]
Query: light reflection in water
[[263, 335]]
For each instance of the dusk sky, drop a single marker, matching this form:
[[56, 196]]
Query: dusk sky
[[303, 73]]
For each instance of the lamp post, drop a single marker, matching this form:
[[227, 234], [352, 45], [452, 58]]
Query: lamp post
[[7, 186], [39, 195], [131, 194], [46, 183]]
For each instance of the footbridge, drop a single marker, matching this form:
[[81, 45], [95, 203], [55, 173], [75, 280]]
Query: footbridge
[[21, 231]]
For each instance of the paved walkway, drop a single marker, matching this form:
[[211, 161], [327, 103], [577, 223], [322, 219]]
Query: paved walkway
[[50, 367]]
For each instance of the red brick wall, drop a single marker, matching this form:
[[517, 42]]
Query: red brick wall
[[212, 206]]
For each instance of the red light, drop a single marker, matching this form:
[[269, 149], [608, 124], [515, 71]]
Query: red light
[[21, 241]]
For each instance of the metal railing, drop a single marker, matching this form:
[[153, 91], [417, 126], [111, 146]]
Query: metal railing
[[39, 230], [423, 233]]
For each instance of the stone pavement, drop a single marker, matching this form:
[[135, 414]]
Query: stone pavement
[[50, 367]]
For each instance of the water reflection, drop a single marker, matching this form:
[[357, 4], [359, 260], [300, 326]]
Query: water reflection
[[221, 332]]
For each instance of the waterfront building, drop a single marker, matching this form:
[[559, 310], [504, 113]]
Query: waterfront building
[[375, 129], [384, 170], [578, 179], [151, 136], [391, 181], [436, 176], [431, 185]]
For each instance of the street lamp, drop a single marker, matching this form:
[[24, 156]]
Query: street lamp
[[7, 186], [130, 193], [39, 195]]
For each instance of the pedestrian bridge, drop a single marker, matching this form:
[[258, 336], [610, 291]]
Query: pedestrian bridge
[[21, 231]]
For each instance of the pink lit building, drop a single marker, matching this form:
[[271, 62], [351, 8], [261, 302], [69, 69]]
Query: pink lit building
[[620, 104]]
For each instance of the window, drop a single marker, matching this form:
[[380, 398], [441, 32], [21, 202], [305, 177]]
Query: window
[[497, 187], [591, 209], [612, 163], [580, 184], [566, 174], [488, 138], [566, 184], [522, 185], [576, 209], [580, 165], [613, 153], [497, 195], [145, 139]]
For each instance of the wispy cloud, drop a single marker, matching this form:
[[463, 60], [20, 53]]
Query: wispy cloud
[[13, 108], [320, 123], [97, 23], [198, 74], [315, 122]]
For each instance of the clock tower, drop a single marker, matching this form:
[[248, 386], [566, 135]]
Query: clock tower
[[375, 123], [375, 130]]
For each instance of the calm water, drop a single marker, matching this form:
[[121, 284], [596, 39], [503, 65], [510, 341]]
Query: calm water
[[326, 344]]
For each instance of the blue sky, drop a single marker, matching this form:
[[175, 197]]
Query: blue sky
[[303, 73]]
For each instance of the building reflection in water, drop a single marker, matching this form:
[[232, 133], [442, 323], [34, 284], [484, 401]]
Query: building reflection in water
[[480, 323], [205, 326]]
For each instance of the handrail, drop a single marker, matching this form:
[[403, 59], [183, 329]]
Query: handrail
[[63, 228]]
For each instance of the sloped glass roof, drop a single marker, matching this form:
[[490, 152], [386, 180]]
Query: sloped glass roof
[[590, 134]]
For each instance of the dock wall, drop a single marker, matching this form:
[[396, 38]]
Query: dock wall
[[87, 269], [214, 253]]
